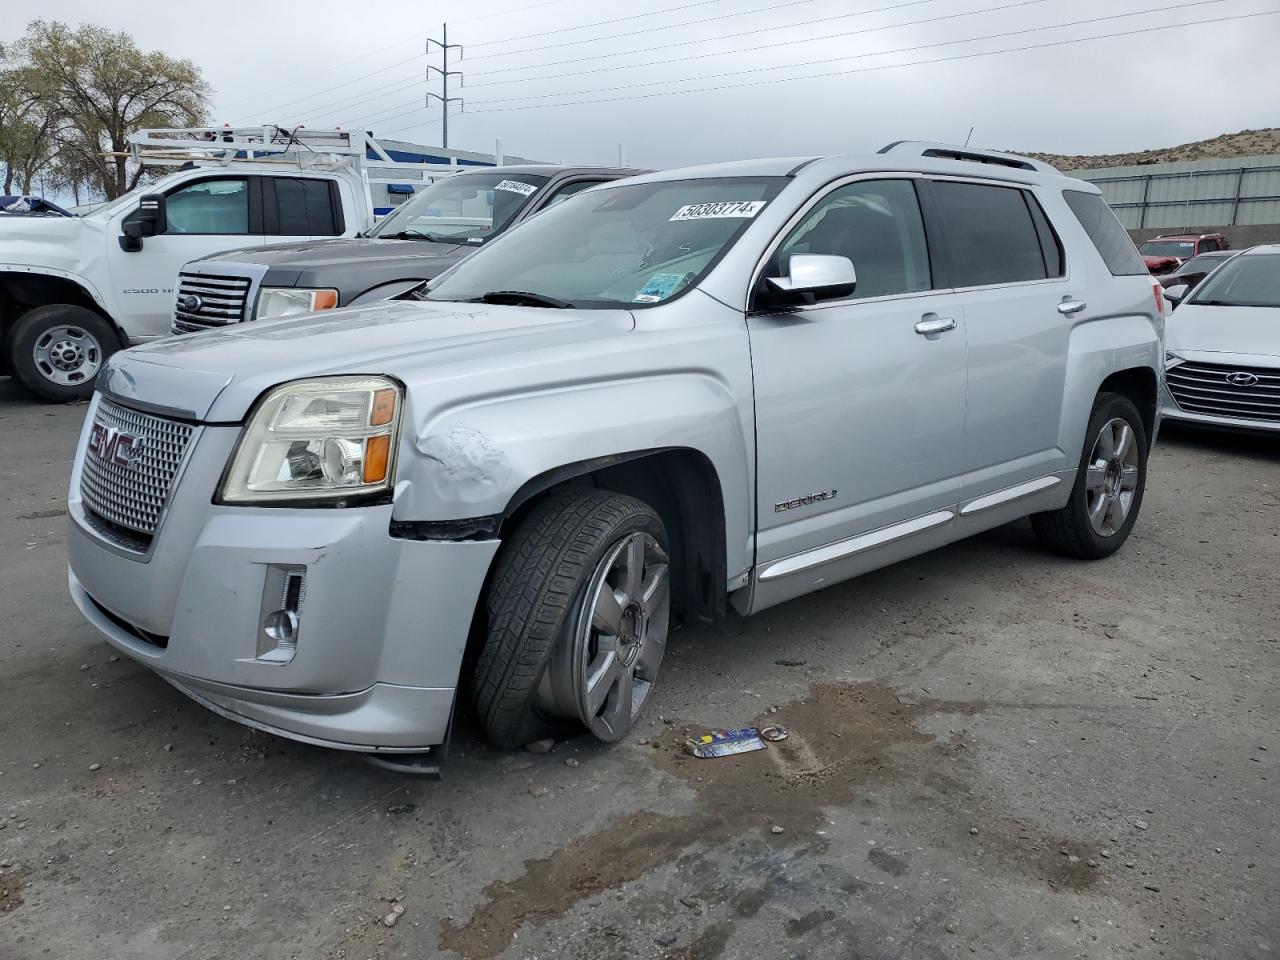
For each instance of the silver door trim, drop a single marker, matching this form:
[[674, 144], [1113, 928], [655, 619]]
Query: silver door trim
[[1016, 492], [859, 544]]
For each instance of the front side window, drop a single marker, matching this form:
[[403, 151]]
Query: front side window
[[991, 234], [209, 206], [626, 246], [569, 190], [1251, 280], [877, 225], [463, 208], [1108, 236]]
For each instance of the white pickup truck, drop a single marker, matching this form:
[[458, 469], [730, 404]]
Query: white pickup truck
[[73, 290]]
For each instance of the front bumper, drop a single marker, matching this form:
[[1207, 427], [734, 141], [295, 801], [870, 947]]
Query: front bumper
[[1172, 413], [382, 622]]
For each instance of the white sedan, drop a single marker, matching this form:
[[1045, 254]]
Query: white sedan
[[1223, 341]]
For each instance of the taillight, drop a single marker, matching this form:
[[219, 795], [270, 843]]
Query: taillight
[[1158, 291]]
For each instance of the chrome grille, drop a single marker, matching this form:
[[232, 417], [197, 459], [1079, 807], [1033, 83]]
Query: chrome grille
[[222, 301], [129, 497], [1206, 388]]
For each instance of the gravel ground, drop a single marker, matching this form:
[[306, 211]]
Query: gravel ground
[[994, 753]]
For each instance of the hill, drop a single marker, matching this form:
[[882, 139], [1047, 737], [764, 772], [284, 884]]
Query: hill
[[1246, 143]]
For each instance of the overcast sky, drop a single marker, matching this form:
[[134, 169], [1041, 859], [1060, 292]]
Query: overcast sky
[[324, 62]]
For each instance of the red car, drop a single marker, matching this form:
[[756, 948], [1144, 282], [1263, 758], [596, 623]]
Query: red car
[[1166, 254]]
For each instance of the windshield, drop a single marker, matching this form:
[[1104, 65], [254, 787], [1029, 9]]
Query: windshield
[[1168, 248], [1245, 281], [633, 245], [1201, 264], [464, 208]]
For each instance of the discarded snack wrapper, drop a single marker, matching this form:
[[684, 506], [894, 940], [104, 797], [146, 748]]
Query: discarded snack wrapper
[[724, 743], [773, 733]]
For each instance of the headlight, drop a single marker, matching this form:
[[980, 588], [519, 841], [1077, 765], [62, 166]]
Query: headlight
[[286, 301], [317, 440], [1171, 359]]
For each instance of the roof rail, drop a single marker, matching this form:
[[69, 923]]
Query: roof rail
[[944, 151]]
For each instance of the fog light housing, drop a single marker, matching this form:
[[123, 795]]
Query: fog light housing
[[281, 612]]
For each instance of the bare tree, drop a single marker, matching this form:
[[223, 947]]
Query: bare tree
[[100, 87]]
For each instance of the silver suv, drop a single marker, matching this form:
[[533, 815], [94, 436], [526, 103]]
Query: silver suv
[[727, 385]]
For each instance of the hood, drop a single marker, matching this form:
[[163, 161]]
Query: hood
[[350, 266], [1161, 262], [217, 375], [42, 241], [1251, 331]]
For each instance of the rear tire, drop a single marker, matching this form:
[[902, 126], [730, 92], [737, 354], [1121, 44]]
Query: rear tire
[[544, 646], [1110, 482], [58, 350]]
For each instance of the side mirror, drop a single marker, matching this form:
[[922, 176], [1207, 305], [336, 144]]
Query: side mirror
[[150, 218], [812, 277], [1175, 293]]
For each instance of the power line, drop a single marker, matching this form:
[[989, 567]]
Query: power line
[[772, 28], [343, 105], [859, 56], [889, 66], [599, 23], [670, 26], [766, 46], [348, 83], [503, 13]]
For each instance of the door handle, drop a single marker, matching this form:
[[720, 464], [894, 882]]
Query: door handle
[[1068, 306], [932, 324]]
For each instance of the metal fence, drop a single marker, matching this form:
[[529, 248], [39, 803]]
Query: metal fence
[[1192, 193]]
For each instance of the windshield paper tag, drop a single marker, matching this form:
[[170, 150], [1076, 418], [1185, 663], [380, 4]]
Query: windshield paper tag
[[515, 186], [745, 209], [658, 287]]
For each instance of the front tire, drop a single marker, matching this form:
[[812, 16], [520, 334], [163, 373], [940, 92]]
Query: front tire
[[57, 351], [1110, 482], [578, 610]]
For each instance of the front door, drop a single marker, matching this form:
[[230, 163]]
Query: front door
[[205, 217], [860, 403]]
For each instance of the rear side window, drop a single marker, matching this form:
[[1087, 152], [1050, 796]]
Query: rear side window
[[304, 208], [1111, 239], [991, 235]]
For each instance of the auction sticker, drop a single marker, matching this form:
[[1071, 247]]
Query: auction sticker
[[658, 287], [515, 186], [741, 209]]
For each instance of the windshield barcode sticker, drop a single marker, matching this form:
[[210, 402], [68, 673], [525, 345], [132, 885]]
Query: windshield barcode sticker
[[743, 209], [515, 186]]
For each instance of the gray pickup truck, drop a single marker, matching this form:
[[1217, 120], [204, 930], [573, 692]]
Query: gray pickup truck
[[418, 240], [721, 386]]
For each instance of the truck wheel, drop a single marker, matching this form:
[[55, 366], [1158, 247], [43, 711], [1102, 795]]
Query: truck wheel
[[578, 615], [1109, 485], [57, 351]]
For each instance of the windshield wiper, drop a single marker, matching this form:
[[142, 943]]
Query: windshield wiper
[[1220, 303], [415, 235], [523, 298]]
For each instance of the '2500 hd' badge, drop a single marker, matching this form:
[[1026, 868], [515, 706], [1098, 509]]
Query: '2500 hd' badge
[[804, 501]]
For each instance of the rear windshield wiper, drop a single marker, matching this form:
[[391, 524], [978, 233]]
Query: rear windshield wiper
[[523, 298]]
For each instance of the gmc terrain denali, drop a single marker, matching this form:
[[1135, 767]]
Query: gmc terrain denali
[[731, 384]]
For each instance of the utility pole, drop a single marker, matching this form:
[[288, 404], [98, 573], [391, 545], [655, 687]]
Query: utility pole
[[445, 73]]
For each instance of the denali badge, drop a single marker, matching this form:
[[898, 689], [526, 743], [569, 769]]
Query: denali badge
[[110, 445], [803, 501], [1241, 379], [189, 303]]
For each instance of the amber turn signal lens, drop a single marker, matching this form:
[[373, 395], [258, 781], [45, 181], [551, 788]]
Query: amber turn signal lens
[[377, 451], [325, 300], [384, 408]]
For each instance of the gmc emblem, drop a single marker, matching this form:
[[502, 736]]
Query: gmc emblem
[[111, 446]]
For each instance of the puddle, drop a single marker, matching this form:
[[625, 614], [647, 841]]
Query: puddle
[[841, 736]]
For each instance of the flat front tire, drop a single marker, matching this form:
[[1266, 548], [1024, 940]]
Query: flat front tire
[[57, 351], [1110, 482], [578, 613]]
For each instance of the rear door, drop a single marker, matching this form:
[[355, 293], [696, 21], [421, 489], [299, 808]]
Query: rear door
[[301, 208], [1008, 269]]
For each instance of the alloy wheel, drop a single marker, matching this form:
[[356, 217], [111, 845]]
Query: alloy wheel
[[1111, 477]]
